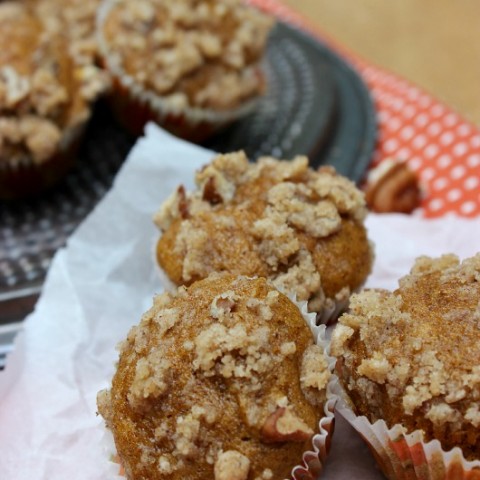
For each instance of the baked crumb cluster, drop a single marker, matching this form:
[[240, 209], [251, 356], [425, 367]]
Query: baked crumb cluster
[[413, 356], [270, 217], [213, 380], [201, 54], [42, 92], [76, 20]]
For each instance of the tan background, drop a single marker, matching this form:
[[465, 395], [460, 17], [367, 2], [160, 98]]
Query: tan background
[[434, 43]]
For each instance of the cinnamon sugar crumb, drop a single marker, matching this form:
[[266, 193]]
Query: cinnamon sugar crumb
[[232, 352], [314, 375], [151, 379], [231, 465]]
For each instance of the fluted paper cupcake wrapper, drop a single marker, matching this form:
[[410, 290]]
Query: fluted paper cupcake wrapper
[[333, 307], [312, 460], [406, 456], [135, 105]]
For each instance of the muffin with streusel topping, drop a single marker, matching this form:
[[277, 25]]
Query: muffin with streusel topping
[[226, 379], [303, 229], [191, 66], [409, 362], [44, 103]]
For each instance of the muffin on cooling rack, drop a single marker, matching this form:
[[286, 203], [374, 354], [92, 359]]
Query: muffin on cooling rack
[[44, 103], [282, 220], [226, 379], [191, 66], [409, 363]]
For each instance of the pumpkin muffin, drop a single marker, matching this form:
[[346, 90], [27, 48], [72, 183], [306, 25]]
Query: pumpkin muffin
[[301, 228], [44, 103], [221, 380], [190, 66], [410, 358]]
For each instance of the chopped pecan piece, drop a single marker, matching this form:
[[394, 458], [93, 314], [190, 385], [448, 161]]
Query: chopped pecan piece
[[284, 426], [210, 193], [392, 187], [182, 202]]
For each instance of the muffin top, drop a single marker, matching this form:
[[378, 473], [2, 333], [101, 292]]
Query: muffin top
[[221, 380], [42, 92], [193, 54], [76, 20], [412, 356], [278, 219]]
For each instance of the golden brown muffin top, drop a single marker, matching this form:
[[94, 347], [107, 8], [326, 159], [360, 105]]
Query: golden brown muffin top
[[193, 53], [413, 356], [42, 92], [221, 380], [76, 21], [280, 219]]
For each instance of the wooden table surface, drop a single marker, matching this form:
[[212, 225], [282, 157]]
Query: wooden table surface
[[434, 43]]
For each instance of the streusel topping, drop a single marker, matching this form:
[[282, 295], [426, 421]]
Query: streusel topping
[[412, 356], [221, 378], [274, 218], [202, 54], [42, 92]]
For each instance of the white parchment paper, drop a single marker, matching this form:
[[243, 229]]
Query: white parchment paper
[[101, 283]]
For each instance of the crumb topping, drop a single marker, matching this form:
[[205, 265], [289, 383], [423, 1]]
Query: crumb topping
[[202, 54], [314, 374], [225, 358], [42, 92], [232, 465], [277, 212], [401, 354]]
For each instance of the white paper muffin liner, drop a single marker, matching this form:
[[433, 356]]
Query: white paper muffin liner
[[334, 307], [406, 456], [163, 107], [312, 460]]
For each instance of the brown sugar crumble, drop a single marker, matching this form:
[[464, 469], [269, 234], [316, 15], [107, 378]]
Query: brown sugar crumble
[[43, 92], [220, 380], [301, 228], [194, 54], [412, 356]]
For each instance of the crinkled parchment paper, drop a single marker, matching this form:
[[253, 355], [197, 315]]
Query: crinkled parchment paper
[[101, 283]]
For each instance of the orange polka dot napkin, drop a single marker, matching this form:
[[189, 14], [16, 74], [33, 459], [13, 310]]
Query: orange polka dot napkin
[[437, 143]]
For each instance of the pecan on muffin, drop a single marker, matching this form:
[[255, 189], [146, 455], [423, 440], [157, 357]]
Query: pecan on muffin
[[303, 229], [222, 380], [191, 66]]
